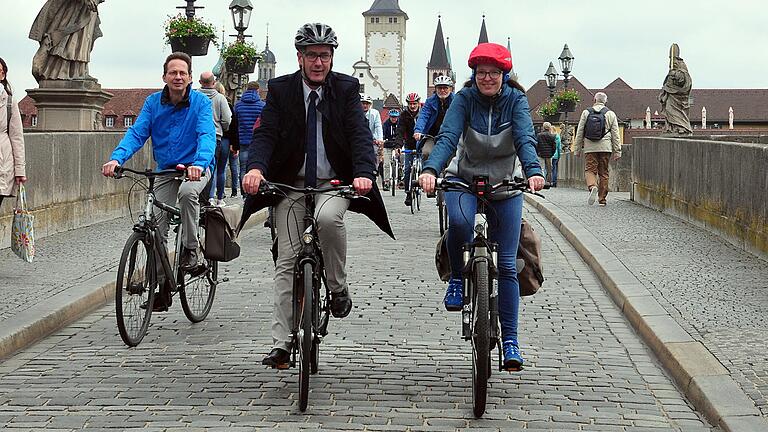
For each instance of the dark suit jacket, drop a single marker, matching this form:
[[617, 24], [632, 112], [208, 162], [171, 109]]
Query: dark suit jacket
[[277, 148]]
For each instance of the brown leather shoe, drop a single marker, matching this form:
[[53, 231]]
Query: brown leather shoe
[[277, 359]]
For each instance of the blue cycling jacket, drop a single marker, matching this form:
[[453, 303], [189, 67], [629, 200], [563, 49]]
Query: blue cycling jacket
[[181, 134]]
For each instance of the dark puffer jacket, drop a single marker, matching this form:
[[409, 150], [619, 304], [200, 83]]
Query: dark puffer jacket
[[248, 109], [545, 145]]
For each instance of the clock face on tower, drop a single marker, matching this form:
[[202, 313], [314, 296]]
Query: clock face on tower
[[383, 56]]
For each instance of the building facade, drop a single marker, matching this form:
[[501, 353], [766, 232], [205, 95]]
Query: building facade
[[385, 33]]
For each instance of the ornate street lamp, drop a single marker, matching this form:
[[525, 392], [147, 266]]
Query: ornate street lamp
[[241, 16], [551, 76], [566, 64]]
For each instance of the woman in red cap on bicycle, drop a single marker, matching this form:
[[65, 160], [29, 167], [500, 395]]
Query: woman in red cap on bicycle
[[491, 113]]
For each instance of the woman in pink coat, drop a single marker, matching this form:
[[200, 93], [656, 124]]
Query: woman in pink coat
[[12, 166]]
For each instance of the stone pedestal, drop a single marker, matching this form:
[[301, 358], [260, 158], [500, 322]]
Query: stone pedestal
[[69, 105]]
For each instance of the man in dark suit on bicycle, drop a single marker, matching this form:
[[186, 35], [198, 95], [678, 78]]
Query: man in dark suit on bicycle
[[312, 131]]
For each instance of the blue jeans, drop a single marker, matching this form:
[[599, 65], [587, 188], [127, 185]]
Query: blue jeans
[[554, 170], [244, 150], [219, 179], [504, 219]]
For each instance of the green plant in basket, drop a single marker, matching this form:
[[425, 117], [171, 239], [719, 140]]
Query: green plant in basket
[[568, 96], [179, 27], [548, 108], [242, 52]]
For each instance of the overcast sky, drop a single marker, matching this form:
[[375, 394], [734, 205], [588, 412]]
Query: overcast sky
[[723, 42]]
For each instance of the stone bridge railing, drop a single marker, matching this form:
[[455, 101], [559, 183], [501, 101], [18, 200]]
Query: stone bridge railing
[[66, 189]]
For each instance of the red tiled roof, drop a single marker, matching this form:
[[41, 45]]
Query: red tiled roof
[[749, 105], [125, 101]]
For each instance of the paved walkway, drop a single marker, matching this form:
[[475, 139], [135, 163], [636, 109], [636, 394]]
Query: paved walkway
[[716, 292], [396, 363]]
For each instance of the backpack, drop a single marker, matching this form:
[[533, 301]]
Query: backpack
[[594, 127]]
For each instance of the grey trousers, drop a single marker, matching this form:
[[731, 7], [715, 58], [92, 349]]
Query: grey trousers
[[329, 213], [168, 190]]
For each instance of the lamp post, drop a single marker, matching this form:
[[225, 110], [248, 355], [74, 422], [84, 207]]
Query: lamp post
[[566, 65], [189, 9], [241, 17], [551, 75]]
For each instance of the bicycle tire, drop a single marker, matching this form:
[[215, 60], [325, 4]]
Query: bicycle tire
[[413, 189], [197, 292], [418, 200], [305, 336], [392, 177], [135, 285], [315, 355], [480, 338], [442, 212]]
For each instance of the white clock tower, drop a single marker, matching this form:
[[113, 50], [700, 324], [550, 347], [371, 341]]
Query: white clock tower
[[384, 44]]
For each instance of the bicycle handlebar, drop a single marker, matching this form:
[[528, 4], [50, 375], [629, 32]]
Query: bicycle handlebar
[[346, 191], [516, 184], [120, 170]]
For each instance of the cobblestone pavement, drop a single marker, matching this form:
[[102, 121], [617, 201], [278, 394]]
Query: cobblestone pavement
[[396, 363], [61, 261], [716, 291]]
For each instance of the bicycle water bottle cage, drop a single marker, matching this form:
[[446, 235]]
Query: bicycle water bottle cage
[[481, 186]]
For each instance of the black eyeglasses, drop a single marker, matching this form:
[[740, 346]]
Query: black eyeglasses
[[313, 56], [485, 74]]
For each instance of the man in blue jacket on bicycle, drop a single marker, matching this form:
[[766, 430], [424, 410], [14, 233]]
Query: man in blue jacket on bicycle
[[180, 122]]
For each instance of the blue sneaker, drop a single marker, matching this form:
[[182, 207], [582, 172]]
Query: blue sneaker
[[453, 295], [513, 361]]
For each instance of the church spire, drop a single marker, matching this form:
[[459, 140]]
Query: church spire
[[483, 33], [439, 58]]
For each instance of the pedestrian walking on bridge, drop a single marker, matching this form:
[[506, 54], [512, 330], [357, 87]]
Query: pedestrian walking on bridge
[[597, 136]]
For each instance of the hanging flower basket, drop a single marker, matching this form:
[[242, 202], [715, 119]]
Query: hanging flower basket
[[192, 45], [552, 118], [549, 111], [567, 100], [240, 57], [189, 35]]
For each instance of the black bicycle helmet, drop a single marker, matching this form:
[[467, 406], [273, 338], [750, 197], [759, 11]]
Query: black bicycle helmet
[[315, 34]]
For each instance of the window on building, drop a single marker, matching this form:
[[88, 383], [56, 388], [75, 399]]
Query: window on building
[[361, 75], [391, 20], [372, 20], [109, 121], [127, 121], [377, 20], [34, 121], [362, 88], [395, 20]]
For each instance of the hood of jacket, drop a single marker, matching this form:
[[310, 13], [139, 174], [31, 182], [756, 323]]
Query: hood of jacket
[[250, 97]]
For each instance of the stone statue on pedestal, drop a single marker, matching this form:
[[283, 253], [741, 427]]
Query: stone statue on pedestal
[[674, 97], [66, 30]]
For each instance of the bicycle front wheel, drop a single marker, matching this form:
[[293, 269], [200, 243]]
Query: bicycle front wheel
[[135, 289], [481, 349], [392, 177], [198, 289], [305, 336]]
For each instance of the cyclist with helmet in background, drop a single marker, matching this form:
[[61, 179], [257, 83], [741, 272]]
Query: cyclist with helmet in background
[[487, 127], [312, 131], [432, 114], [392, 142], [374, 124], [407, 121]]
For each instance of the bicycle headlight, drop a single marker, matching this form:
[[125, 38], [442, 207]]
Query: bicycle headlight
[[307, 238]]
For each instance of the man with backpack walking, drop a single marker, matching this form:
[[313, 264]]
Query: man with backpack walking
[[597, 136]]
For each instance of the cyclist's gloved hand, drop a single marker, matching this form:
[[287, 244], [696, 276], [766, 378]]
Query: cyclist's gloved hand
[[251, 181], [108, 169], [362, 185], [427, 182], [536, 183], [194, 173]]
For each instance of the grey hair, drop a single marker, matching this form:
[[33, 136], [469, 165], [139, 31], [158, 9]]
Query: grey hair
[[601, 97]]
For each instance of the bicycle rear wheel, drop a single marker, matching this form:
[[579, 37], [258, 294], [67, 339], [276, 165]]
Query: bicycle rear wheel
[[135, 287], [392, 177], [305, 336], [481, 349]]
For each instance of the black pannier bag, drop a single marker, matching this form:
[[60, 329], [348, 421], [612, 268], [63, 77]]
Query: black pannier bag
[[220, 236]]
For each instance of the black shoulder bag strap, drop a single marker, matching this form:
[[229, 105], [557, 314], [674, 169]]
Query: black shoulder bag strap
[[8, 123]]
